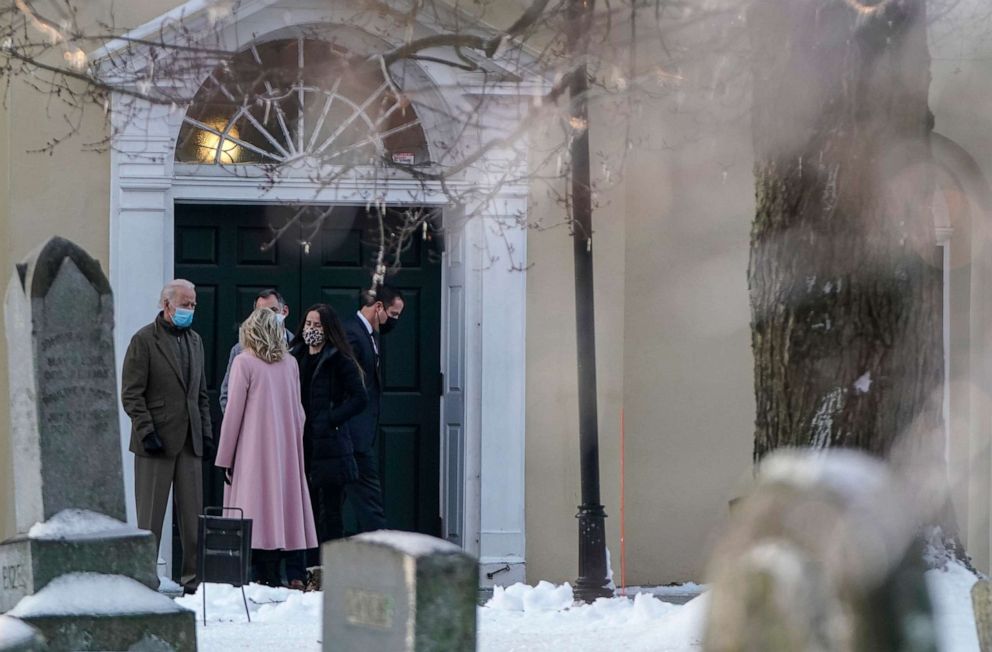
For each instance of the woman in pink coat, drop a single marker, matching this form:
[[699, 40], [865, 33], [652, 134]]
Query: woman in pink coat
[[261, 449]]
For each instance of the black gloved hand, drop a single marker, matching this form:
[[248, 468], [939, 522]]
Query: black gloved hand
[[153, 443], [228, 476]]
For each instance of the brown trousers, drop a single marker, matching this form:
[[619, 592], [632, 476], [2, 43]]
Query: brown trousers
[[154, 478]]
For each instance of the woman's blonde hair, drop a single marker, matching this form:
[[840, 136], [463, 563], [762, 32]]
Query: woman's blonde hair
[[263, 335]]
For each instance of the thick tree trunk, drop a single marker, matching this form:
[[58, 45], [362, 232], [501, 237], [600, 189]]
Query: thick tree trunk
[[845, 273]]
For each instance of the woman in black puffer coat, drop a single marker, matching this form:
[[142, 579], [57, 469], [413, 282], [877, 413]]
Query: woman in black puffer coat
[[332, 391]]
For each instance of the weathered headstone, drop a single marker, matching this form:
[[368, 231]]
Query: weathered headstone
[[821, 555], [981, 602], [68, 479], [73, 540], [90, 611], [398, 591], [59, 316]]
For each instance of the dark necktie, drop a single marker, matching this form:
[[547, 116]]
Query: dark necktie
[[375, 349]]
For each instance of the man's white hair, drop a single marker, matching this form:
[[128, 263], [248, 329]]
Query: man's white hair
[[169, 291]]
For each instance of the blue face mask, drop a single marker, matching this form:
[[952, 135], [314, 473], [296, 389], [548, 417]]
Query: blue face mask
[[182, 318]]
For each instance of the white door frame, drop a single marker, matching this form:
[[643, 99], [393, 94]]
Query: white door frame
[[483, 305]]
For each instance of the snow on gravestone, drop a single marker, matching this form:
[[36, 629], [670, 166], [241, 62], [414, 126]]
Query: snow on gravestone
[[821, 555], [399, 591], [17, 636]]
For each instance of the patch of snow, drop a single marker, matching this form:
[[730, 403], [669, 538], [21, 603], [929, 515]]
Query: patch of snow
[[166, 585], [846, 472], [686, 589], [639, 624], [823, 420], [824, 325], [283, 619], [863, 384], [610, 584], [410, 543], [830, 190], [81, 524], [950, 592], [93, 594], [522, 597], [15, 633], [265, 603]]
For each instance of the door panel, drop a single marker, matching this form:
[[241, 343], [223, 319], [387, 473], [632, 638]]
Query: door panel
[[399, 448], [409, 423], [223, 250]]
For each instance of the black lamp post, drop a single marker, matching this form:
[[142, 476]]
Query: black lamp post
[[592, 581]]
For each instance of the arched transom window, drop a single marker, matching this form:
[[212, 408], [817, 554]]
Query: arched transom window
[[293, 100]]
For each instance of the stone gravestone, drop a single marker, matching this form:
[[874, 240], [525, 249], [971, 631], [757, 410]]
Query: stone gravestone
[[398, 591], [68, 479], [981, 602], [821, 555]]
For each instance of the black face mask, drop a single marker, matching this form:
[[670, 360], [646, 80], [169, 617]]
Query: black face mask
[[389, 325]]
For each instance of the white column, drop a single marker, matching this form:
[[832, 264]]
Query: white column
[[141, 240], [495, 319]]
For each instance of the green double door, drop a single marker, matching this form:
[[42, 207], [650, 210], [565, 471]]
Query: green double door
[[231, 254]]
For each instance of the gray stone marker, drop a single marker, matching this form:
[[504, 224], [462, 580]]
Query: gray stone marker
[[821, 555], [79, 541], [59, 316], [68, 478], [981, 602], [398, 591]]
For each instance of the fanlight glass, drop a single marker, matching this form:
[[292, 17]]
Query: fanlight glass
[[292, 100]]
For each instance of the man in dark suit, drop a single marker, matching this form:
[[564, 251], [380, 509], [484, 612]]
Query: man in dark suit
[[380, 311], [164, 391]]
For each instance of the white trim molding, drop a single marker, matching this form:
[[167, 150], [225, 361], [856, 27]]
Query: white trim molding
[[483, 306]]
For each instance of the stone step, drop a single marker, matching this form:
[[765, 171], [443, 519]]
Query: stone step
[[28, 564], [89, 611]]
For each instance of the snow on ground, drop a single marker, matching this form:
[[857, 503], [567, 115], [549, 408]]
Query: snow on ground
[[281, 619], [642, 623], [523, 618]]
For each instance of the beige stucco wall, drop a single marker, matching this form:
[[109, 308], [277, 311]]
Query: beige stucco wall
[[686, 376], [688, 361], [673, 332], [552, 436], [960, 89], [6, 475], [66, 193]]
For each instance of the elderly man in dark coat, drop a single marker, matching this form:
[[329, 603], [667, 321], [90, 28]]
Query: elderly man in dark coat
[[164, 391]]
